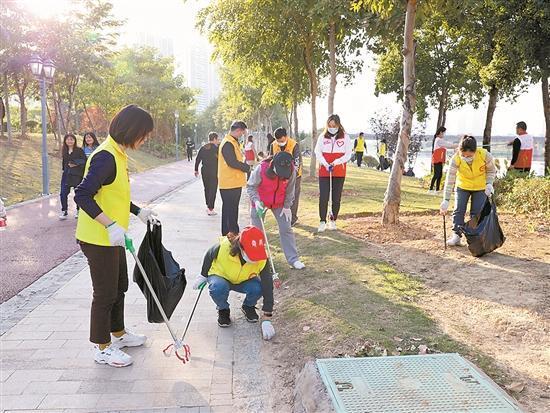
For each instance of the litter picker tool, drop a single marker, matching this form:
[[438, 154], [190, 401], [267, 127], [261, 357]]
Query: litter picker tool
[[178, 345], [276, 280], [330, 213], [444, 234]]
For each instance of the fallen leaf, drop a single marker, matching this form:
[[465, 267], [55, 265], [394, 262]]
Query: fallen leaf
[[385, 353], [306, 328], [516, 387], [412, 348], [416, 339], [399, 349], [422, 349], [398, 339]]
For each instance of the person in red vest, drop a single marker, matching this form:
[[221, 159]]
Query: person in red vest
[[439, 156], [272, 186], [333, 150], [522, 149]]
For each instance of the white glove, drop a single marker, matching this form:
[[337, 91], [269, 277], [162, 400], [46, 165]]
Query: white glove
[[444, 207], [116, 235], [323, 162], [268, 331], [287, 213], [146, 214], [489, 190], [200, 280]]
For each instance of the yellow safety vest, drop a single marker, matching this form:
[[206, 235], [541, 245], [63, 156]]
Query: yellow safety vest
[[472, 177], [230, 268], [382, 149], [230, 178], [360, 145], [113, 199], [289, 147]]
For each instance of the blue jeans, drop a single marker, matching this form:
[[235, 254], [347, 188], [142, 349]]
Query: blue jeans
[[461, 203], [219, 291]]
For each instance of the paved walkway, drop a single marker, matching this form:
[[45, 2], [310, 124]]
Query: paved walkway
[[46, 357], [36, 241]]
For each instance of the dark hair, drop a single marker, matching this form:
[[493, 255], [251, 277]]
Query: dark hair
[[238, 124], [521, 125], [383, 141], [261, 154], [437, 132], [130, 126], [235, 240], [361, 133], [95, 143], [280, 133], [212, 136], [65, 146], [468, 143], [250, 138], [334, 117]]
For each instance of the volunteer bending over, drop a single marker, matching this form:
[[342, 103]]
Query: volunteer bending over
[[333, 150], [271, 186], [104, 200], [474, 171], [239, 263]]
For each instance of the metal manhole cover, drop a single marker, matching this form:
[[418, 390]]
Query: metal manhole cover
[[435, 383]]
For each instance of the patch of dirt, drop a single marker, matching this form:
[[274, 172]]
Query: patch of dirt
[[498, 304]]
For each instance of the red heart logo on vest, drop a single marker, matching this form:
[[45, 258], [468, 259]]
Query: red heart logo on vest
[[340, 143], [327, 141]]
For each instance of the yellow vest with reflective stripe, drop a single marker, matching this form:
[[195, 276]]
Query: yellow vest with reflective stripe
[[230, 268], [289, 147], [113, 199], [229, 178], [472, 177], [360, 145], [382, 149]]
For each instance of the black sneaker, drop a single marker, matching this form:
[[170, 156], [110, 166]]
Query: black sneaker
[[250, 314], [224, 319]]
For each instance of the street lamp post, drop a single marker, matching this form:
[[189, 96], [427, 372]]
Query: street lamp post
[[43, 70], [177, 115]]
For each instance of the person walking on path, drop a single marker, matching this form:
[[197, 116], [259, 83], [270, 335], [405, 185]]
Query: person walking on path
[[104, 197], [360, 148], [238, 262], [89, 143], [250, 155], [231, 176], [284, 143], [382, 153], [271, 186], [522, 149], [474, 171], [439, 156], [208, 156], [333, 150], [190, 145], [73, 171]]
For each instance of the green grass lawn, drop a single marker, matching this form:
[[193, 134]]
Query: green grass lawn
[[345, 303], [21, 167]]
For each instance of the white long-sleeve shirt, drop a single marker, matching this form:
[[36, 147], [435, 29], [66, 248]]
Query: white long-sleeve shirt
[[325, 146]]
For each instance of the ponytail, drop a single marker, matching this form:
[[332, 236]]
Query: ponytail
[[437, 132], [235, 240]]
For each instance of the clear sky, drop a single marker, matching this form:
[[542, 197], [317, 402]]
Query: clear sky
[[355, 103]]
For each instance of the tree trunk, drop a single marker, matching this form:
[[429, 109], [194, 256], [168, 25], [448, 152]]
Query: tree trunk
[[392, 199], [2, 114], [332, 66], [313, 85], [493, 97], [23, 116], [7, 98], [442, 110], [295, 112], [546, 106], [90, 119], [51, 122]]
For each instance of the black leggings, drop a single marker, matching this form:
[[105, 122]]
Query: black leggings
[[230, 210], [210, 182], [359, 157], [324, 189], [438, 174]]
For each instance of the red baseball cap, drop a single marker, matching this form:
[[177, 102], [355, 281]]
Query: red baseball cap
[[253, 243]]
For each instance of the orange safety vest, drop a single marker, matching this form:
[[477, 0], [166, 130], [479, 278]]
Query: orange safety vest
[[525, 156], [439, 155]]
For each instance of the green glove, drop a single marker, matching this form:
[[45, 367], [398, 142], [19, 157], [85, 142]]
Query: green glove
[[260, 209]]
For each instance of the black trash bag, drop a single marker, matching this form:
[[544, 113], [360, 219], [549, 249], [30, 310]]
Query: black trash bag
[[164, 273], [483, 232]]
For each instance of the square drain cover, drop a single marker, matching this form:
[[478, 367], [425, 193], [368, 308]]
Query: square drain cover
[[435, 383]]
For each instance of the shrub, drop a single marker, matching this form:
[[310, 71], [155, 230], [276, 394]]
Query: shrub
[[524, 194], [371, 161]]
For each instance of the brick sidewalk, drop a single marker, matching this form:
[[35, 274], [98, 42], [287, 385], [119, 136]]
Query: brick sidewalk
[[47, 361]]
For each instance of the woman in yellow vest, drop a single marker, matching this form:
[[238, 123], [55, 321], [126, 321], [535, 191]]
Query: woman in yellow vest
[[474, 171], [104, 201], [360, 148], [231, 176], [239, 263], [284, 143]]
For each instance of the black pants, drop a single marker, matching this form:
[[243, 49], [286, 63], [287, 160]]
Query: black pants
[[359, 157], [324, 189], [109, 281], [438, 174], [296, 203], [210, 182], [189, 155], [230, 210]]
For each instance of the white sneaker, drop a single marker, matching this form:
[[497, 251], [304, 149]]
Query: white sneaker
[[112, 356], [299, 265], [128, 339], [431, 192], [332, 225], [211, 212], [322, 227], [454, 241], [63, 216], [76, 214]]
